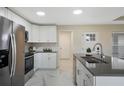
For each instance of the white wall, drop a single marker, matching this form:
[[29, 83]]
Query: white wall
[[104, 32]]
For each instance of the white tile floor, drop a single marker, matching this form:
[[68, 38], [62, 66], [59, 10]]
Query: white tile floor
[[60, 77]]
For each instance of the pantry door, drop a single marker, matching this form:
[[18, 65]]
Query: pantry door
[[65, 44]]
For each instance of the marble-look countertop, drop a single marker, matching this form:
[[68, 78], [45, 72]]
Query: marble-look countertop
[[113, 67]]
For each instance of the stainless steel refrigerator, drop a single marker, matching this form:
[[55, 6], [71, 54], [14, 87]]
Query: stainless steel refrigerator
[[12, 43]]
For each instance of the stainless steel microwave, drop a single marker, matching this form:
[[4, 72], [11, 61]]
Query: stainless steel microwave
[[26, 36]]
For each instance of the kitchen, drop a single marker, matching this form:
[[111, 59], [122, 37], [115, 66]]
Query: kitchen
[[61, 50]]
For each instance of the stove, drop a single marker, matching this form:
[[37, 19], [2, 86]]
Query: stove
[[29, 65]]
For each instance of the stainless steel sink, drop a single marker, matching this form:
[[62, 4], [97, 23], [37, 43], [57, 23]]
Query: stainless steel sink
[[90, 59]]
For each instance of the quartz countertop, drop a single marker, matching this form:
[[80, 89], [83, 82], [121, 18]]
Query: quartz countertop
[[113, 67]]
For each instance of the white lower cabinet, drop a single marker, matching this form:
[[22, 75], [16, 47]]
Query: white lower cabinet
[[45, 61], [83, 76], [52, 60], [37, 58]]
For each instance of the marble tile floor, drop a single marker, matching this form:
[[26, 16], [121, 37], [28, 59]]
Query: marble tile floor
[[58, 77]]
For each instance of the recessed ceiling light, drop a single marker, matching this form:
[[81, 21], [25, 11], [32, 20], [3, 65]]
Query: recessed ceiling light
[[40, 13], [77, 12]]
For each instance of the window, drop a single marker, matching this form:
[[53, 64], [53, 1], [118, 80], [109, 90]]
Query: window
[[90, 37]]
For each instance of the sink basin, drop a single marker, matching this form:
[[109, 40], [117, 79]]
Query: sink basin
[[93, 60]]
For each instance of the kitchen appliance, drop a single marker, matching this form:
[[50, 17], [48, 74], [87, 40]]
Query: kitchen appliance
[[29, 65], [12, 43], [26, 36], [29, 62]]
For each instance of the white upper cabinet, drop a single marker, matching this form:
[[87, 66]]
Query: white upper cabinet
[[3, 12], [52, 37], [48, 34], [43, 34], [12, 16], [34, 34], [37, 34]]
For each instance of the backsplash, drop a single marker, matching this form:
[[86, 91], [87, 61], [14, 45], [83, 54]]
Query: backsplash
[[40, 47], [26, 47]]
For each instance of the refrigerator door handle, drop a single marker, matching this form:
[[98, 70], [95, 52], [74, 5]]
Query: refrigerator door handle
[[11, 72], [14, 68]]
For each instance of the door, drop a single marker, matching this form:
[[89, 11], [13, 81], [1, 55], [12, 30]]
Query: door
[[5, 51], [65, 44], [5, 79], [18, 71]]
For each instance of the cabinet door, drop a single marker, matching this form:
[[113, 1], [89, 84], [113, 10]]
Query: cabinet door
[[28, 26], [37, 60], [48, 34], [30, 36], [88, 81], [10, 15], [43, 34], [44, 61], [35, 33], [78, 77], [52, 60], [87, 76], [2, 11], [52, 37], [83, 76], [78, 74]]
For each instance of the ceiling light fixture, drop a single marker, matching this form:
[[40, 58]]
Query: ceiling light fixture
[[77, 12], [40, 13]]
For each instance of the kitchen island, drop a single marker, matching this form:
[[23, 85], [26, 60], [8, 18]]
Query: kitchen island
[[108, 71]]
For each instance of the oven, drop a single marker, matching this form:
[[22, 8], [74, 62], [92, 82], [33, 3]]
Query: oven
[[29, 65]]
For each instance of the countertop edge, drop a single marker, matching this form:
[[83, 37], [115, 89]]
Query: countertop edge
[[96, 75]]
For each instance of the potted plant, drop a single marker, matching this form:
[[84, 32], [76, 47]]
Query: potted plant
[[88, 52]]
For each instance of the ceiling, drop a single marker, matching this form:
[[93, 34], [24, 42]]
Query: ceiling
[[64, 15]]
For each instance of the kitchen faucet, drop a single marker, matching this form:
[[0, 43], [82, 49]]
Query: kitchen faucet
[[101, 48]]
